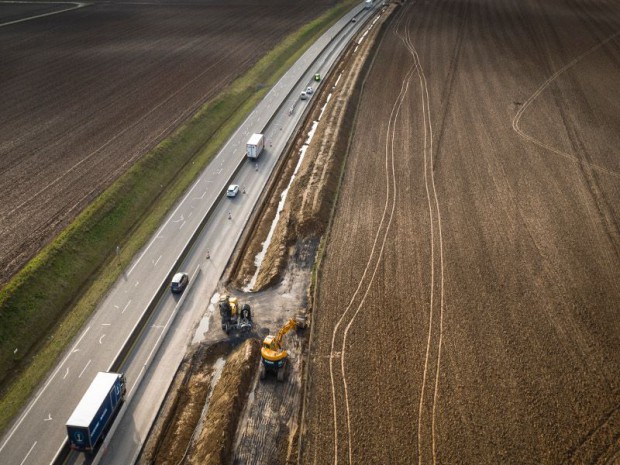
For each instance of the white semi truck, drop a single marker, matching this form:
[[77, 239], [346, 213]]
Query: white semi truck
[[255, 146], [93, 416]]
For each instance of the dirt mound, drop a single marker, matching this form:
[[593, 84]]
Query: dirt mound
[[309, 202], [214, 444], [203, 393], [268, 430]]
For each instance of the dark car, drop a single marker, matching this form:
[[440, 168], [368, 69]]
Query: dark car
[[179, 282]]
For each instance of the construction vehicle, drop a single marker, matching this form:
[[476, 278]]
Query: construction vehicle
[[274, 357], [235, 317]]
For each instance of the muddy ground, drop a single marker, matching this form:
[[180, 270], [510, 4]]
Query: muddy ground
[[269, 424], [87, 92]]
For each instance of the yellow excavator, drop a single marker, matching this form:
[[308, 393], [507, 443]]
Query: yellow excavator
[[274, 357]]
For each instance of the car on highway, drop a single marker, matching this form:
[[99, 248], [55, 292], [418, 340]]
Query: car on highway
[[309, 90], [304, 95], [179, 282], [353, 20], [232, 191]]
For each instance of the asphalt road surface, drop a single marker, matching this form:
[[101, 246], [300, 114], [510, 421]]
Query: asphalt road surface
[[39, 434]]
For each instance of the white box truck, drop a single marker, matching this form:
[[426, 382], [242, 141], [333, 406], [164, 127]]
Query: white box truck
[[255, 145]]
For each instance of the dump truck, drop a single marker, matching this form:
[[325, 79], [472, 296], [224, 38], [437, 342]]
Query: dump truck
[[274, 358], [235, 317], [255, 145], [95, 413]]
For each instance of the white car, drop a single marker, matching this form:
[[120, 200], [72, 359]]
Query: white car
[[309, 90], [304, 95], [179, 283], [232, 191]]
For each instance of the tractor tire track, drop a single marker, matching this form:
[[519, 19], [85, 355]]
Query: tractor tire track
[[381, 234], [435, 222]]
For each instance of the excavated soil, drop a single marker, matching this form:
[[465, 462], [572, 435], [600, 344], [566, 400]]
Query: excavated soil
[[86, 92], [467, 306], [198, 421], [267, 429]]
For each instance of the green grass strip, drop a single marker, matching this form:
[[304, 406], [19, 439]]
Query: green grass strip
[[46, 304]]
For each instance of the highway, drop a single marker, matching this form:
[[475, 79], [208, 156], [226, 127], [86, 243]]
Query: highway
[[204, 219]]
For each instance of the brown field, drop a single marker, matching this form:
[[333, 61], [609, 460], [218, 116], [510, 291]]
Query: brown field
[[87, 92], [469, 295]]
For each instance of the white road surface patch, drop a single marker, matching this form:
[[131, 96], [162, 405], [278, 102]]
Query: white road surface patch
[[84, 369], [203, 326], [27, 411], [329, 97], [29, 452], [338, 80], [258, 260]]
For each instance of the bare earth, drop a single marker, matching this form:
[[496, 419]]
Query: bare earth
[[467, 301], [87, 92], [268, 426], [469, 295]]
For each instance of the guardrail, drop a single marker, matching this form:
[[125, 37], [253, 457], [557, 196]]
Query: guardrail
[[116, 366]]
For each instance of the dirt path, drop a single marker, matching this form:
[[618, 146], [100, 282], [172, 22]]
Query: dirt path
[[467, 308]]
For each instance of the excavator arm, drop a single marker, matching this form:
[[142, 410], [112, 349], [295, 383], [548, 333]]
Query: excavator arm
[[291, 324]]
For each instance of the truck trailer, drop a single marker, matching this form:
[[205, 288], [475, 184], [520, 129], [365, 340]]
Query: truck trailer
[[255, 145], [93, 416]]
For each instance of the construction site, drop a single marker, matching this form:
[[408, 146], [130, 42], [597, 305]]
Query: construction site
[[450, 245], [433, 274]]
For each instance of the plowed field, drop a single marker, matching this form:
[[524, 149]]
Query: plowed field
[[468, 305], [87, 92]]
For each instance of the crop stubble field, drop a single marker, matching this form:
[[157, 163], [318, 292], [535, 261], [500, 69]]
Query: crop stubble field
[[86, 92], [468, 298]]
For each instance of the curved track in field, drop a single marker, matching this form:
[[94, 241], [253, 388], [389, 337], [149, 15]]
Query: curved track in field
[[467, 301]]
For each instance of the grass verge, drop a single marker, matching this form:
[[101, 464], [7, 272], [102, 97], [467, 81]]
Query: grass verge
[[44, 306]]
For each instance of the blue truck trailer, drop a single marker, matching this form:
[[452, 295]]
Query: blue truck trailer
[[94, 414]]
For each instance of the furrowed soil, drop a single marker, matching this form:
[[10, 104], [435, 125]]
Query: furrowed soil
[[465, 308], [467, 303], [87, 92]]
